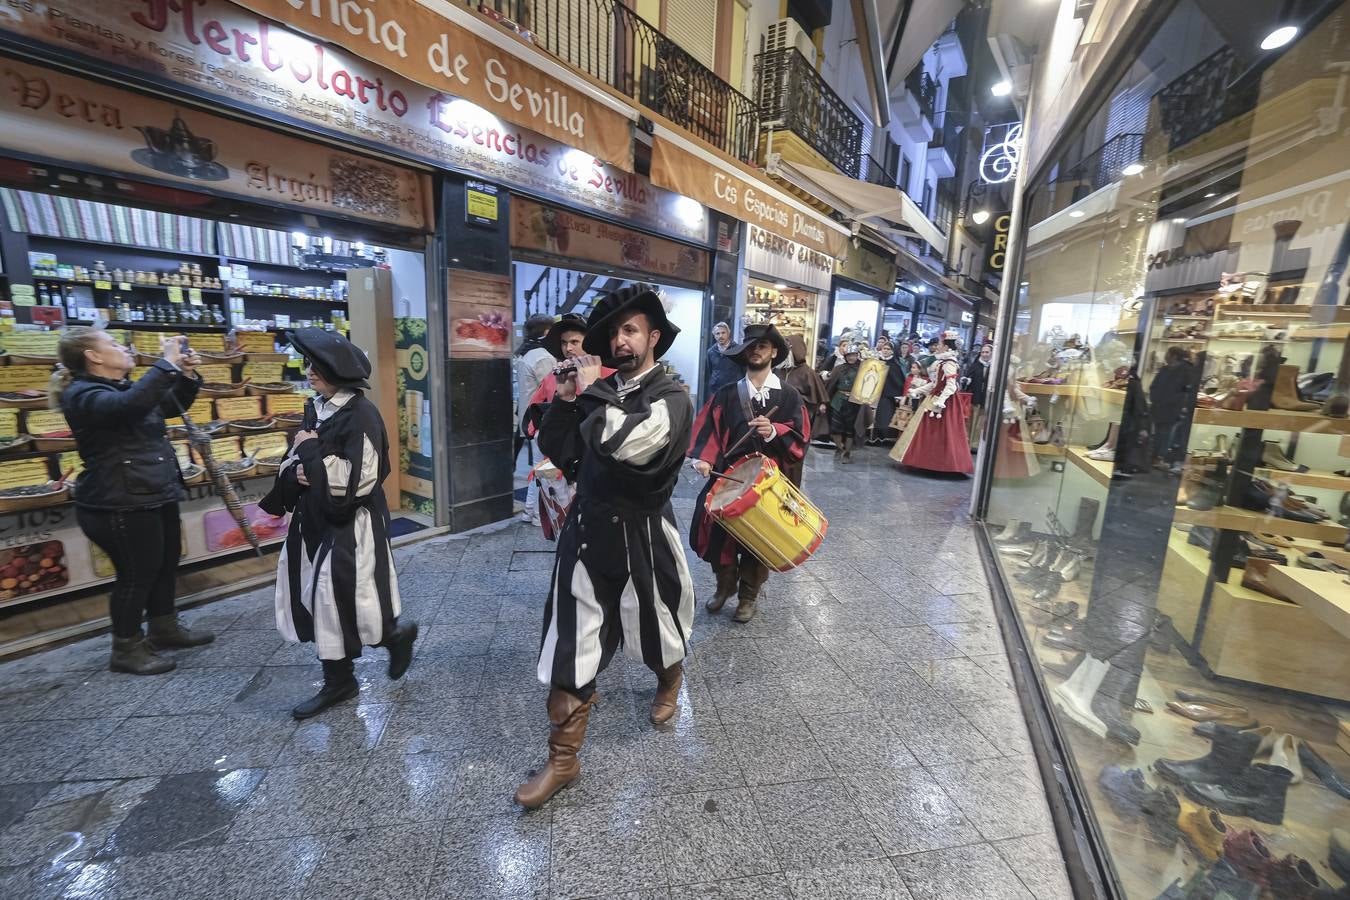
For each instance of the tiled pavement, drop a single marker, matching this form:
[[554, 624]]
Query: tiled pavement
[[859, 738]]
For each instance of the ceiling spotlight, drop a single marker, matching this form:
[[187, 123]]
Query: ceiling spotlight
[[781, 285], [1076, 214], [1004, 88], [1179, 220], [1133, 168], [980, 216], [1279, 37], [1211, 194]]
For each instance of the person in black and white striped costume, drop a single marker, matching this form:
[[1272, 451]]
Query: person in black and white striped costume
[[336, 584], [620, 576]]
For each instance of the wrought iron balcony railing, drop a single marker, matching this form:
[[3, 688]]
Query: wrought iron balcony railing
[[793, 96], [1102, 166], [1205, 96], [925, 90], [608, 41], [875, 172]]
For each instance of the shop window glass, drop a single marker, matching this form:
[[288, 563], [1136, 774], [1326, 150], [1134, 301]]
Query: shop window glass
[[1170, 487]]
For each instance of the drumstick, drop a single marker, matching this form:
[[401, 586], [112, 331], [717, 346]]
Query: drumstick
[[733, 447]]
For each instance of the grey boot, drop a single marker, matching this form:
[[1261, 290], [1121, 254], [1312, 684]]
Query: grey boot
[[135, 657], [167, 633]]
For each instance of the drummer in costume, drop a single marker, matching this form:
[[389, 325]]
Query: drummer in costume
[[843, 411], [758, 414], [936, 438], [620, 574], [336, 586]]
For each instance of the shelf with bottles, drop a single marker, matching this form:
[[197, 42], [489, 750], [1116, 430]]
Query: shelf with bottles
[[47, 266]]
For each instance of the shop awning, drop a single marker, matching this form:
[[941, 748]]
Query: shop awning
[[887, 209]]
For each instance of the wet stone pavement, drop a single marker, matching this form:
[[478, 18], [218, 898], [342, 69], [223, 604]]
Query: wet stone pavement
[[859, 738]]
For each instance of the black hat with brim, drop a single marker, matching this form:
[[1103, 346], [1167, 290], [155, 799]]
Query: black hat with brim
[[636, 298], [553, 340], [759, 333], [340, 362]]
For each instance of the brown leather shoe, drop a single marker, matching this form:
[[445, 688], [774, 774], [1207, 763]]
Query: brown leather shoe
[[1256, 577], [666, 701], [726, 586], [567, 716]]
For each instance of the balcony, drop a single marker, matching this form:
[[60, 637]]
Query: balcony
[[1207, 95], [793, 97], [944, 151], [913, 108], [610, 42], [875, 173]]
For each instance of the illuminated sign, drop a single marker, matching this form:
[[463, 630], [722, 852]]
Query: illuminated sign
[[1002, 149]]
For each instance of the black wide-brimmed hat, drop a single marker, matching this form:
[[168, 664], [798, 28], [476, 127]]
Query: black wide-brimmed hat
[[553, 340], [759, 333], [641, 298], [339, 361]]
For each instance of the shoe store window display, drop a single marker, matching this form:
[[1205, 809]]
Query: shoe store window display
[[1179, 568], [936, 438]]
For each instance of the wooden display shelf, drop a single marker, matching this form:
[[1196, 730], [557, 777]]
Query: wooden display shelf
[[1307, 479], [1038, 449], [1098, 470], [1279, 310], [1073, 390], [1230, 518], [1338, 331], [1274, 420], [1324, 594]]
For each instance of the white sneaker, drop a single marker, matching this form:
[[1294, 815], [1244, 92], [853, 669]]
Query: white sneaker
[[1102, 454]]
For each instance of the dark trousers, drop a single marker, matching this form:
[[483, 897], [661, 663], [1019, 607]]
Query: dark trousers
[[144, 546]]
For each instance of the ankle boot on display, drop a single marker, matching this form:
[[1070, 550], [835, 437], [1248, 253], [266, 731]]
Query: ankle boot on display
[[134, 657], [1285, 395], [1066, 668], [400, 645], [1272, 457], [339, 684], [1203, 829], [1074, 696], [666, 701], [1258, 793], [1230, 753], [726, 586], [1338, 853], [1038, 555], [1010, 532], [1293, 878], [567, 717], [1057, 435], [1085, 522], [166, 632]]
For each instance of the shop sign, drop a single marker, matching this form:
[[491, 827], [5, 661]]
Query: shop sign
[[777, 257], [752, 202], [871, 268], [935, 308], [387, 110], [479, 306], [418, 43], [997, 250], [50, 114], [967, 317], [563, 234], [480, 203]]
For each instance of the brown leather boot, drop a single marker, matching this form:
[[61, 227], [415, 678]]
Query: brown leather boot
[[753, 575], [1285, 395], [567, 716], [726, 586], [667, 696]]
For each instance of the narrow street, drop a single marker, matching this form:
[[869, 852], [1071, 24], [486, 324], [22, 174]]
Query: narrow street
[[859, 738]]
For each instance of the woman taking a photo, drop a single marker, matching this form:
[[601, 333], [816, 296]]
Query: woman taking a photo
[[126, 499]]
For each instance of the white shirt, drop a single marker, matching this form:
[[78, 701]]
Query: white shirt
[[325, 408], [760, 394]]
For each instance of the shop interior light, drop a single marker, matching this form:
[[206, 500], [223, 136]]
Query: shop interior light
[[1179, 220], [1211, 194], [780, 285], [1076, 214], [980, 216], [1001, 88], [921, 289], [1133, 168], [1279, 37]]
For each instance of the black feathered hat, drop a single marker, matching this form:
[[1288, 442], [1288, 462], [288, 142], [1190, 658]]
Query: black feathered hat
[[553, 340], [641, 298], [338, 360], [759, 333]]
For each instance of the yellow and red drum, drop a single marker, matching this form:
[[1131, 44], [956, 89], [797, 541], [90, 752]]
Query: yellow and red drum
[[766, 513]]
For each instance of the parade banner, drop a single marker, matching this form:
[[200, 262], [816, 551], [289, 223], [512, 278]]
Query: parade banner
[[47, 113], [750, 201]]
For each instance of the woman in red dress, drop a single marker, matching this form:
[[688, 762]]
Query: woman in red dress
[[940, 442]]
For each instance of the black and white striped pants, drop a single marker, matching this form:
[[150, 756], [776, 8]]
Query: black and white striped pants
[[619, 577]]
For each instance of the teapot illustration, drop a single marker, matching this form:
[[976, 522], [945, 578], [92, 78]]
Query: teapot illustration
[[177, 150]]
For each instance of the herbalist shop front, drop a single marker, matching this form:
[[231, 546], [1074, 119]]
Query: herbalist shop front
[[787, 285], [148, 218], [1166, 496]]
